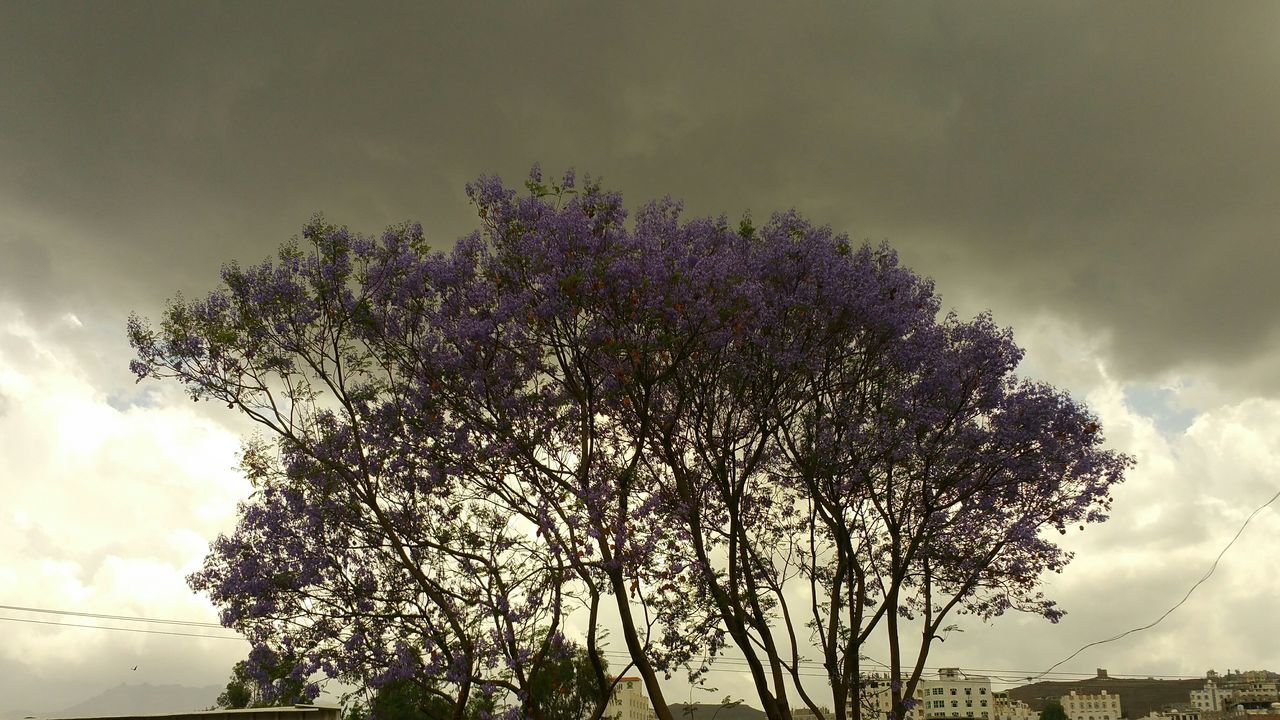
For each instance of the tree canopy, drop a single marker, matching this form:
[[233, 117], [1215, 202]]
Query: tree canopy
[[1053, 710], [686, 420], [266, 679]]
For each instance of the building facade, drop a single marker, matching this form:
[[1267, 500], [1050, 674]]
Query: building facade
[[956, 695], [877, 699], [951, 694], [630, 702], [1252, 687], [1173, 714], [1103, 706], [1210, 699], [1006, 708]]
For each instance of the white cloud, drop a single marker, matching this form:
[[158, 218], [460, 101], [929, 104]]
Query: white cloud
[[106, 509], [1184, 500]]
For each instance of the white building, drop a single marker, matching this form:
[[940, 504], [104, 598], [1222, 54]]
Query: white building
[[956, 695], [1103, 706], [1211, 698], [950, 695], [630, 701]]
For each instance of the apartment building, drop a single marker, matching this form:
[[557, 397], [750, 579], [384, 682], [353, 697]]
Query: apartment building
[[1251, 687], [630, 702], [957, 695], [1006, 708], [1212, 698], [877, 699], [1173, 714], [1103, 706], [951, 694]]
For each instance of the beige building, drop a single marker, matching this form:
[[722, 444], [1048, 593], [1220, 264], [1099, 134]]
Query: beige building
[[1103, 706], [877, 699], [1252, 686], [1212, 698], [1173, 714], [956, 695], [630, 701], [1006, 708]]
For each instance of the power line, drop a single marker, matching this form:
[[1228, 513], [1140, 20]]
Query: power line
[[1166, 614], [121, 629], [103, 616], [1019, 675], [741, 663]]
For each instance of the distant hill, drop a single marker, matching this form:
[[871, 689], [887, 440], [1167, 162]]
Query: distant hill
[[142, 699], [706, 711], [1137, 697]]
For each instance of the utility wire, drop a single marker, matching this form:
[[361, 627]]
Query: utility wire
[[102, 616], [121, 629], [1018, 675], [740, 663], [1166, 614]]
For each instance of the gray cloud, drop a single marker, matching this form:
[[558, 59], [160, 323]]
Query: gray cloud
[[26, 273], [1111, 163], [1103, 167]]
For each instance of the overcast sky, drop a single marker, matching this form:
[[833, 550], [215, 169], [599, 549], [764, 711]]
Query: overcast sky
[[1102, 177]]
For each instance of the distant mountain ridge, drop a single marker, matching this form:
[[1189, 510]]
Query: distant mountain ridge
[[1138, 697], [142, 699]]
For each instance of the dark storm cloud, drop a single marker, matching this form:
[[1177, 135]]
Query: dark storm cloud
[[26, 273], [1113, 164]]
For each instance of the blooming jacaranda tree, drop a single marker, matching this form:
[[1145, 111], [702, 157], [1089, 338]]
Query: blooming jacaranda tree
[[844, 445], [680, 423]]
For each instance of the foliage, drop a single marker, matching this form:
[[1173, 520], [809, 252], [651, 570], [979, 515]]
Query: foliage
[[563, 689], [1053, 710], [266, 679], [690, 421]]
